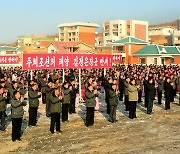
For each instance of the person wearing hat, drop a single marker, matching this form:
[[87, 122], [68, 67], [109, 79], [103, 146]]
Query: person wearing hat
[[3, 97], [113, 102], [145, 83], [133, 98], [168, 87], [56, 108], [49, 91], [17, 112], [66, 89], [160, 88], [107, 87], [43, 82], [34, 96], [73, 96], [150, 95], [90, 104]]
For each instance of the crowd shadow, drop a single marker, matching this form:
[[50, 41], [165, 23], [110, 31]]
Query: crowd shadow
[[82, 112], [121, 109]]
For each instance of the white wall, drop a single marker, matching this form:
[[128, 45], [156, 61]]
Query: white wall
[[150, 60], [50, 48]]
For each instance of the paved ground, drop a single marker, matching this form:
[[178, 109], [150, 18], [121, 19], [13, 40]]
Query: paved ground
[[156, 133]]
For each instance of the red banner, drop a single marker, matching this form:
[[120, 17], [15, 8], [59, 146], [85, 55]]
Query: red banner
[[58, 61], [9, 59], [117, 58]]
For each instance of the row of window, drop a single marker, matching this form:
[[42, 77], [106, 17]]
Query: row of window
[[115, 26], [116, 34]]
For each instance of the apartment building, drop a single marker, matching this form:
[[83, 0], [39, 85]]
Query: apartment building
[[99, 39], [117, 29], [78, 31], [34, 40]]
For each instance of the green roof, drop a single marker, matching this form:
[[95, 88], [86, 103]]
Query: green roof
[[44, 39], [130, 40], [8, 48], [157, 50]]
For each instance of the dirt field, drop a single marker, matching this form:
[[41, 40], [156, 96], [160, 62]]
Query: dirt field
[[156, 133]]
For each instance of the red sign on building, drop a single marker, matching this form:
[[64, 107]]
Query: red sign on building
[[9, 59], [58, 61], [117, 58]]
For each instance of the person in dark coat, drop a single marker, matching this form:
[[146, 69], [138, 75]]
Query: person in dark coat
[[113, 102], [145, 83], [66, 89], [3, 97], [17, 112], [168, 87], [49, 91], [90, 104], [150, 94], [107, 86], [160, 88], [34, 96], [126, 94], [121, 87], [139, 82], [56, 108], [73, 97], [43, 83]]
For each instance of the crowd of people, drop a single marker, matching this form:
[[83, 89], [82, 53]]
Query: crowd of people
[[126, 84]]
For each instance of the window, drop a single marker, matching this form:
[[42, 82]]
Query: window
[[119, 48], [178, 38], [162, 61], [155, 60], [69, 39], [128, 33], [106, 34], [106, 27], [115, 26], [128, 26], [142, 60], [115, 33], [172, 60]]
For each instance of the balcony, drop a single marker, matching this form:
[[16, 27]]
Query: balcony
[[115, 29]]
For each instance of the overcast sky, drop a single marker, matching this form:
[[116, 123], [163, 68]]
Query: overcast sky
[[27, 17]]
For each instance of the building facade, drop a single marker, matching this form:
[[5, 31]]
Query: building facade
[[161, 35], [157, 54], [78, 31], [117, 29]]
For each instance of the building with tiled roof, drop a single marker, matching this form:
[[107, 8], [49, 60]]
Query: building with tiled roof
[[69, 47], [157, 54]]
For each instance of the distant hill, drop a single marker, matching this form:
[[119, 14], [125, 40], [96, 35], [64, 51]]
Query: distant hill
[[14, 44], [172, 24], [10, 44]]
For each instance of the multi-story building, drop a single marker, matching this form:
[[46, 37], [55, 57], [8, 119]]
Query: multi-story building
[[176, 38], [99, 40], [161, 35], [117, 29], [34, 40], [78, 31]]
